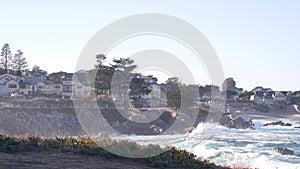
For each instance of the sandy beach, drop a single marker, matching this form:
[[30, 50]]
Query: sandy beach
[[260, 115]]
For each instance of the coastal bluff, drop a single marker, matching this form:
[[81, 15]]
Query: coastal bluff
[[58, 118], [41, 122]]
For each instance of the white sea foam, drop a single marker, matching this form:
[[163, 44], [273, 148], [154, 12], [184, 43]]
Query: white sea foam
[[244, 148]]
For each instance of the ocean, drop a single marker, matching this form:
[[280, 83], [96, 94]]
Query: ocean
[[243, 148]]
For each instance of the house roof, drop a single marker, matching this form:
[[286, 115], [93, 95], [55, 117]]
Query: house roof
[[264, 94], [279, 94], [11, 80], [259, 94], [8, 75], [48, 82], [257, 88], [57, 82], [39, 74]]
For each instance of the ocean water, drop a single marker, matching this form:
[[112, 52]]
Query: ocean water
[[244, 148]]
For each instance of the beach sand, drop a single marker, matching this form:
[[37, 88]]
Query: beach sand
[[271, 116]]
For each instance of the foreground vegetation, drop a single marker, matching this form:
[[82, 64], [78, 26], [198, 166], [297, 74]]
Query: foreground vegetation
[[171, 158]]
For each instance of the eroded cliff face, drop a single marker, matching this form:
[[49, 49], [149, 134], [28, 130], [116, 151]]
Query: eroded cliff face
[[51, 118], [44, 122], [63, 122]]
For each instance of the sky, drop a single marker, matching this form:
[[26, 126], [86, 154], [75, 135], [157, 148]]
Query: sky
[[257, 42]]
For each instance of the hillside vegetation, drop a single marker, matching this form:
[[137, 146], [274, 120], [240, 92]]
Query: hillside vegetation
[[85, 146]]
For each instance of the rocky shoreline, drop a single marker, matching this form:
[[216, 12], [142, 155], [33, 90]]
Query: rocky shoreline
[[64, 122]]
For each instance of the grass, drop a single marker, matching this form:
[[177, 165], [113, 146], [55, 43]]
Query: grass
[[170, 157]]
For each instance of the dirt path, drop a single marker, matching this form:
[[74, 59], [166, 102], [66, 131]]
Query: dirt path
[[53, 160]]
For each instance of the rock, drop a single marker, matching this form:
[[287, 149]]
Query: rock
[[160, 123], [167, 117], [156, 129], [231, 121], [283, 151], [298, 127], [225, 120], [138, 118], [240, 123], [277, 123], [189, 129]]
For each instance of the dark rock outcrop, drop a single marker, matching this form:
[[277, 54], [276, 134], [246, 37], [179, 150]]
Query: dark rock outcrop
[[283, 151], [156, 127], [234, 122], [298, 127], [277, 123]]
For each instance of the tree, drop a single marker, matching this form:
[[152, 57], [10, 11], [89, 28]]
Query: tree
[[100, 59], [173, 81], [124, 64], [37, 69], [228, 87], [296, 93], [174, 97], [182, 96], [5, 57], [19, 63], [229, 84], [139, 87], [56, 76], [208, 89], [246, 95], [104, 75], [122, 77]]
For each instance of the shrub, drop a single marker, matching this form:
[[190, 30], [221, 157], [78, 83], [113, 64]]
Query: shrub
[[170, 157]]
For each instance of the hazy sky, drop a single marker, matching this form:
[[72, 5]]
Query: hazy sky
[[257, 41]]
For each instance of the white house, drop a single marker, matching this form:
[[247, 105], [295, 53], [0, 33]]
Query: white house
[[80, 86], [67, 84], [264, 98], [81, 89], [36, 77], [279, 96], [155, 91], [25, 88], [48, 87], [9, 84]]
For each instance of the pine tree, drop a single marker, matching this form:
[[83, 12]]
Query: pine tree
[[19, 62], [5, 57]]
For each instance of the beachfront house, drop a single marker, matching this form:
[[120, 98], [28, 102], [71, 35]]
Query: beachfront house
[[67, 84], [26, 88], [279, 96], [36, 77], [47, 87], [80, 85], [9, 84], [262, 97], [282, 96]]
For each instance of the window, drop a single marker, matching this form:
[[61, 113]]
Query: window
[[40, 86], [67, 83], [37, 77], [57, 86], [12, 85]]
